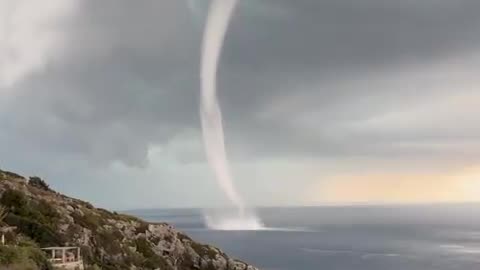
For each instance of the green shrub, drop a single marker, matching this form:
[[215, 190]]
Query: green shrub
[[142, 228], [9, 255], [152, 260], [36, 220], [183, 237], [156, 262], [37, 182], [40, 233], [109, 242], [144, 247], [88, 220], [204, 250], [23, 258], [93, 267], [88, 255], [47, 211], [14, 199], [133, 258], [38, 256]]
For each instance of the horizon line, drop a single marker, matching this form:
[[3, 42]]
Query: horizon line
[[349, 204]]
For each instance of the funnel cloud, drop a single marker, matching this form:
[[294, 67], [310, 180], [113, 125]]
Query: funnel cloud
[[218, 18]]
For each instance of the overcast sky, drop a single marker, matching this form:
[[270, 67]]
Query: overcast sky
[[323, 100]]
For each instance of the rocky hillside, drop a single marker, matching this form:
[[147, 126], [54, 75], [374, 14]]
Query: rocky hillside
[[107, 240]]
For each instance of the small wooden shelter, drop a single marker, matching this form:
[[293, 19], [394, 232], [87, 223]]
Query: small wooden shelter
[[68, 258]]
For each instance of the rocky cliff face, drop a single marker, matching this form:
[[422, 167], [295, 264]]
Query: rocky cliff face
[[107, 240]]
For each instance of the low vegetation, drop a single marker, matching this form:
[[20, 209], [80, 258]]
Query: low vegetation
[[35, 219], [23, 256], [37, 182], [108, 240]]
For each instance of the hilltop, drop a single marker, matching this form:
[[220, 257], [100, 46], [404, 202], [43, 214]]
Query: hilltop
[[108, 240]]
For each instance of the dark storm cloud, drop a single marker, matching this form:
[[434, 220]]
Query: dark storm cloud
[[330, 40], [129, 76], [126, 82], [321, 44]]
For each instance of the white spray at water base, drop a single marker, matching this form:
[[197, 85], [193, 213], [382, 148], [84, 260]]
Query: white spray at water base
[[217, 23]]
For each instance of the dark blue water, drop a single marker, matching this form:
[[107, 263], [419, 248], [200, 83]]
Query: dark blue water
[[441, 237]]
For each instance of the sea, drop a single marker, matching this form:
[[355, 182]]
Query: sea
[[414, 237]]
